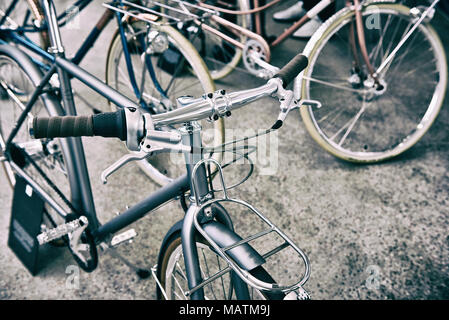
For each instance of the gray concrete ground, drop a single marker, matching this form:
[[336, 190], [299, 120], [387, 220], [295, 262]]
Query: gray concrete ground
[[371, 232]]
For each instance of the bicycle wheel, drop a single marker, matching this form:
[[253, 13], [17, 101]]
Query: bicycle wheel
[[46, 154], [172, 275], [220, 56], [359, 120], [162, 75]]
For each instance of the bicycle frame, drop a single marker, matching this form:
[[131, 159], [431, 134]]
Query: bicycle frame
[[72, 148]]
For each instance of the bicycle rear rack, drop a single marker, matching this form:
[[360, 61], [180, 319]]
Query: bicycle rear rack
[[223, 251], [157, 13]]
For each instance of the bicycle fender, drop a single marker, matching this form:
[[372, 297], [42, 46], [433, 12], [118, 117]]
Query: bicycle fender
[[244, 255]]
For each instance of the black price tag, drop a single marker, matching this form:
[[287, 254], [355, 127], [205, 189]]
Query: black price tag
[[26, 220]]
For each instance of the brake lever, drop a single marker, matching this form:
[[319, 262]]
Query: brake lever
[[289, 103], [121, 162], [154, 142]]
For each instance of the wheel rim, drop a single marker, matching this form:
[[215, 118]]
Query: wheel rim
[[363, 138]]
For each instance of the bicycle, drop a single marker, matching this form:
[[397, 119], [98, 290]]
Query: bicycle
[[165, 52], [207, 226], [372, 46]]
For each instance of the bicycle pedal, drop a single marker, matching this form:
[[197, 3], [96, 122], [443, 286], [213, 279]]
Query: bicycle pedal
[[61, 230], [123, 237]]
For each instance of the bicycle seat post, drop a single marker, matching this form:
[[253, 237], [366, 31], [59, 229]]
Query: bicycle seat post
[[57, 50], [56, 46]]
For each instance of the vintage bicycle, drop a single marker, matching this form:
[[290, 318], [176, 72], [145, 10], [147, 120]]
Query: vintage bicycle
[[378, 68]]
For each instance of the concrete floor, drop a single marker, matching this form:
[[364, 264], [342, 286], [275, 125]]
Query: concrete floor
[[371, 232]]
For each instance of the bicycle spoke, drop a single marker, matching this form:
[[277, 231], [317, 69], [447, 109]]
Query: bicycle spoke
[[419, 66], [345, 44], [336, 86], [179, 286], [387, 52], [180, 271], [208, 274], [337, 111], [350, 124], [125, 77], [181, 90], [221, 278], [401, 58], [377, 49]]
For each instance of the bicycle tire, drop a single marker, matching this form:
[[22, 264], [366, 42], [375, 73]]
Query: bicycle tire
[[181, 44], [173, 250], [367, 151]]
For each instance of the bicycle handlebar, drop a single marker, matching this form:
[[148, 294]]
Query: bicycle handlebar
[[212, 105], [217, 104]]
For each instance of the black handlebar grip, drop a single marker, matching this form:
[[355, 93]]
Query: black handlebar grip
[[109, 124], [292, 69], [61, 127]]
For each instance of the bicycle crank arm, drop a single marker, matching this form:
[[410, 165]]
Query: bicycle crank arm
[[270, 69]]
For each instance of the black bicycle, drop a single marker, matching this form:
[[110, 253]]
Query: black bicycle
[[201, 256]]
